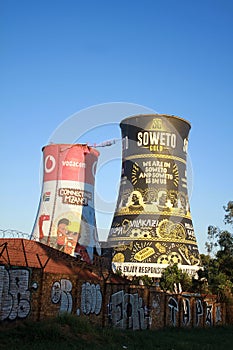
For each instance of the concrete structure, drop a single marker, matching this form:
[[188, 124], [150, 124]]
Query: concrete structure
[[66, 215], [152, 224]]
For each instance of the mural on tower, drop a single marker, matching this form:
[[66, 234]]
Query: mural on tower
[[66, 215], [152, 224]]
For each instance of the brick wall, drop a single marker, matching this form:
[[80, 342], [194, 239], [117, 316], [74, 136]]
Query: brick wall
[[30, 293]]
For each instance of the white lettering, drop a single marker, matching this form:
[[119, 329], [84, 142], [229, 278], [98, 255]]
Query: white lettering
[[148, 138], [139, 143], [72, 163]]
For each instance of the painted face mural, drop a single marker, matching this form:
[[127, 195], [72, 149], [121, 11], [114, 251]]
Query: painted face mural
[[152, 224]]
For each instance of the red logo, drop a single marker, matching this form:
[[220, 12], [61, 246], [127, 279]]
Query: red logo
[[49, 163]]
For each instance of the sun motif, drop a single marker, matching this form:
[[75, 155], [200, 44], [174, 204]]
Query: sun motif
[[134, 175], [175, 174]]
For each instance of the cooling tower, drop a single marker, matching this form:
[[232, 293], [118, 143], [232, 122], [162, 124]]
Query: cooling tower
[[152, 224], [66, 216]]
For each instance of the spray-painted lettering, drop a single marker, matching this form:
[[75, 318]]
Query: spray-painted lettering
[[91, 299], [186, 312], [174, 308], [127, 311], [14, 293], [209, 310], [199, 311], [61, 293], [218, 316]]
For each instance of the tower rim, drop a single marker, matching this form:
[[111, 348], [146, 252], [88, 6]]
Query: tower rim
[[171, 116]]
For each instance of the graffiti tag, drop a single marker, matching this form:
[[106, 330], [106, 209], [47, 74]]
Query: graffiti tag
[[14, 293], [61, 293], [127, 311], [91, 299]]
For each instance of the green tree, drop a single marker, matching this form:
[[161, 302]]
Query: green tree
[[143, 280], [211, 244], [172, 276], [217, 265], [228, 219]]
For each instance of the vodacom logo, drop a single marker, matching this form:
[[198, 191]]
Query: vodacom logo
[[49, 163]]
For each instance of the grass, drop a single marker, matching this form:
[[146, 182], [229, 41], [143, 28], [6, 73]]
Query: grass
[[71, 332]]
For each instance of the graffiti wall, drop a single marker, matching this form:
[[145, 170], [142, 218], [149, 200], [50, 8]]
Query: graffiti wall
[[189, 311], [28, 293], [128, 310]]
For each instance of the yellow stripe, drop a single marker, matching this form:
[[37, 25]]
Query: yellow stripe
[[155, 156], [184, 241]]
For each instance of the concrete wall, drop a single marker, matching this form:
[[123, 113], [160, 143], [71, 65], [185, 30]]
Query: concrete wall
[[29, 293]]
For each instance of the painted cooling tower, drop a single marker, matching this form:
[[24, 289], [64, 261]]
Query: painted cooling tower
[[66, 216], [152, 224]]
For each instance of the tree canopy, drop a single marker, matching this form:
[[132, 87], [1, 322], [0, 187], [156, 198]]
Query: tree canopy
[[216, 275], [218, 264]]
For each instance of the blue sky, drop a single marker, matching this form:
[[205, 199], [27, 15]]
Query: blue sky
[[60, 57]]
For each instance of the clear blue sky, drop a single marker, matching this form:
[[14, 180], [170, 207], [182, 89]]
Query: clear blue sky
[[61, 56]]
